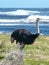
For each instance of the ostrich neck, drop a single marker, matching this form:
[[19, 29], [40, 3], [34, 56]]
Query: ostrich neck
[[37, 27]]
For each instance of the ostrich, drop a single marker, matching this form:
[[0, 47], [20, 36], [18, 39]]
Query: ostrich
[[23, 36]]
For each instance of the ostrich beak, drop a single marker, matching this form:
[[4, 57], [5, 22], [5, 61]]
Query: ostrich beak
[[12, 40]]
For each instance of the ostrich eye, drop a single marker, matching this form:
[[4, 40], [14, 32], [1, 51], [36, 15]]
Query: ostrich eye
[[12, 40]]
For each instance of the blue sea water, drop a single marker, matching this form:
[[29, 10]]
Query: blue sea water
[[44, 29], [15, 14]]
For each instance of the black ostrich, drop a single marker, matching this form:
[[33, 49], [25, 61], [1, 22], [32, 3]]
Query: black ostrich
[[23, 37]]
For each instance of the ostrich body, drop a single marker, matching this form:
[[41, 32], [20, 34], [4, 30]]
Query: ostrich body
[[23, 36]]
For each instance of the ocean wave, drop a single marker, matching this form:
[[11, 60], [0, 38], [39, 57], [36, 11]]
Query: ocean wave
[[33, 18], [29, 19], [24, 24], [20, 12], [9, 24], [12, 20]]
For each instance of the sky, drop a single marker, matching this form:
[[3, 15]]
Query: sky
[[24, 3]]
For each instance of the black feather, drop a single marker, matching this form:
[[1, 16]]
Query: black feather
[[23, 35]]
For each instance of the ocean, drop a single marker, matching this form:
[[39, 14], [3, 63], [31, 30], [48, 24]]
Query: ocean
[[16, 18]]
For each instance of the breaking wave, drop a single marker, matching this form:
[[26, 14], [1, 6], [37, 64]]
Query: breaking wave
[[20, 12], [29, 19], [33, 18]]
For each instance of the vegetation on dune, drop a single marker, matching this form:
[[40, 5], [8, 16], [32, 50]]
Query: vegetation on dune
[[35, 54]]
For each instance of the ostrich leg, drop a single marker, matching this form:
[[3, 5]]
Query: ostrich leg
[[21, 52], [21, 47]]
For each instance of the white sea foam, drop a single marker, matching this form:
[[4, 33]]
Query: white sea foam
[[11, 20], [33, 18], [30, 19], [1, 32], [20, 12]]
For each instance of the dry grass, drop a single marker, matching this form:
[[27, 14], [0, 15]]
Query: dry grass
[[36, 54]]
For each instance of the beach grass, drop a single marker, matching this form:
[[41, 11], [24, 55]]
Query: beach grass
[[35, 54]]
